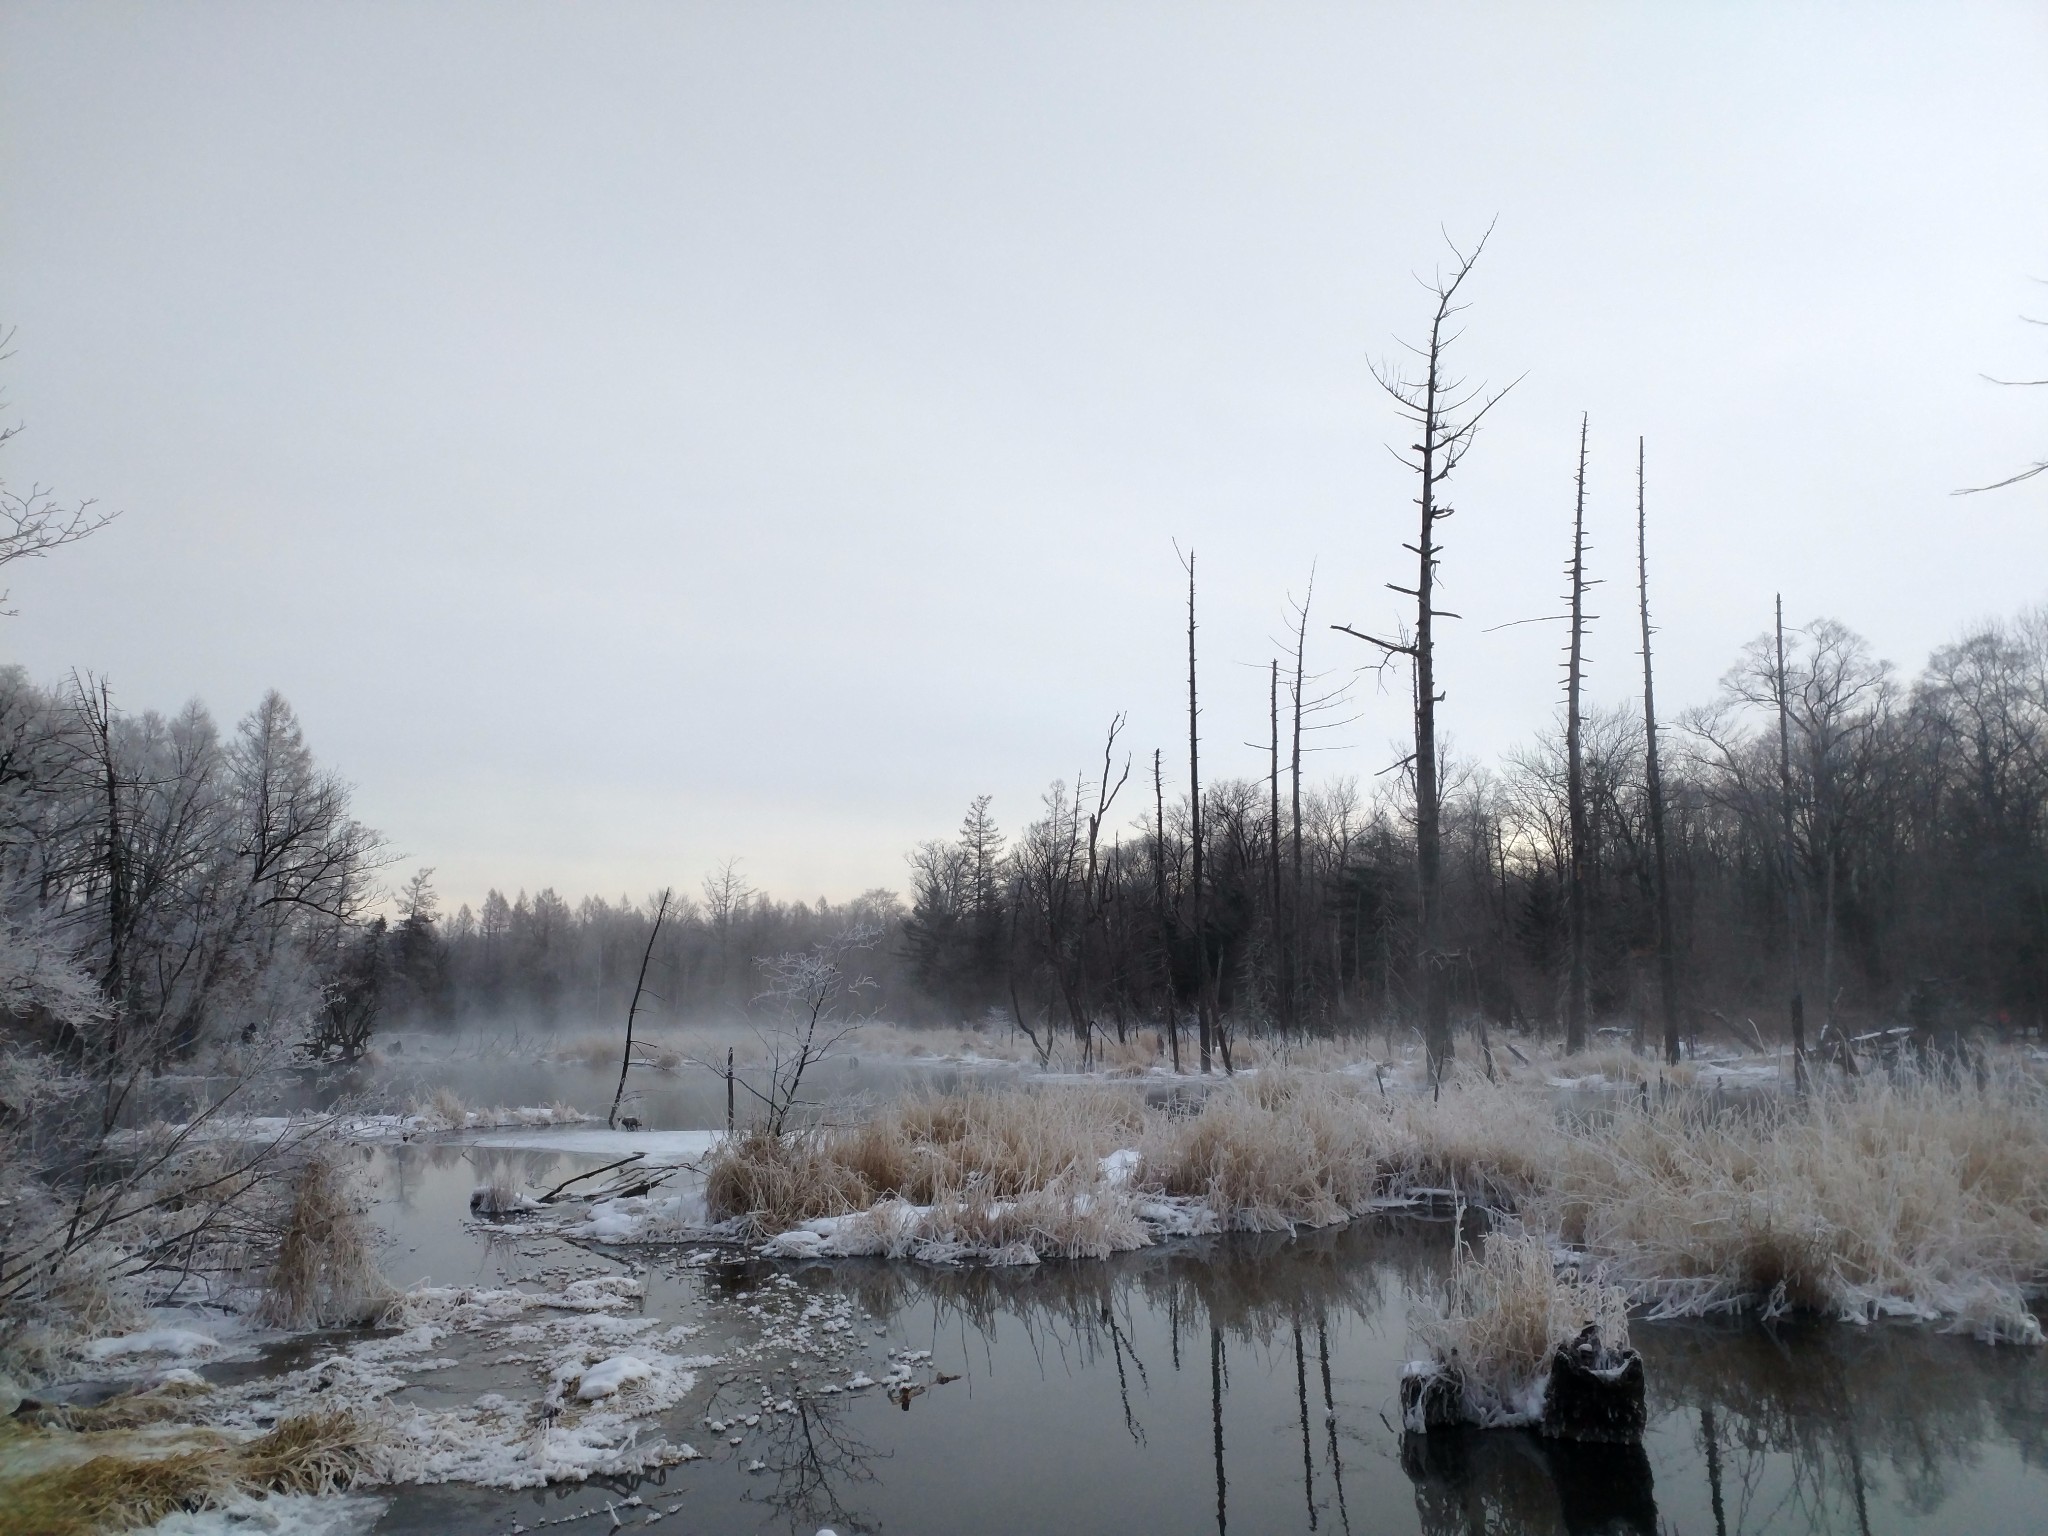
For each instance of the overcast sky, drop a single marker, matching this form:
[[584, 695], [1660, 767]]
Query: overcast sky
[[636, 436]]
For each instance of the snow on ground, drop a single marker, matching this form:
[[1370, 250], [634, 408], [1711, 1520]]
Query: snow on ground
[[182, 1343], [601, 1373], [175, 1337], [278, 1514]]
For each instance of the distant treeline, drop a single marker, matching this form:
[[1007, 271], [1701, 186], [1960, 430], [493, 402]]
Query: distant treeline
[[1918, 879]]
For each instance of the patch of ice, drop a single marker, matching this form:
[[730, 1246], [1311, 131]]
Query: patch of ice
[[277, 1514], [1119, 1166], [184, 1343], [645, 1219], [797, 1244], [1168, 1216]]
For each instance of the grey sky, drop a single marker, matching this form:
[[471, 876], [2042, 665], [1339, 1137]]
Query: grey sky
[[633, 436]]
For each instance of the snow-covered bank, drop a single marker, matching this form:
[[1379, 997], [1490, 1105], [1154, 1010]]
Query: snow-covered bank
[[598, 1374]]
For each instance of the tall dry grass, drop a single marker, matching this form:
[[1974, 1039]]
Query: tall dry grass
[[313, 1453], [924, 1149], [1919, 1196], [325, 1273], [1922, 1196], [1500, 1319]]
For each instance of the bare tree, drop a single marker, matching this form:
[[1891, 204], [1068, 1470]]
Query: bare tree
[[1160, 909], [34, 522], [1205, 1005], [1798, 1001], [1097, 891], [1276, 926], [1445, 415], [1653, 786], [815, 990], [1578, 872], [633, 1009]]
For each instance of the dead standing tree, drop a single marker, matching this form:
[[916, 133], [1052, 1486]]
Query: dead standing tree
[[1575, 770], [1097, 891], [1788, 859], [1446, 416], [626, 1061], [1653, 784], [1161, 911], [1205, 1003], [1313, 700]]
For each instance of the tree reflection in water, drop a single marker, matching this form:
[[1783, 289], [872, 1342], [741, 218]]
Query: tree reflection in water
[[1506, 1480], [1753, 1429], [810, 1462]]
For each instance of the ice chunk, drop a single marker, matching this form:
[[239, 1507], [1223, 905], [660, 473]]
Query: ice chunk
[[608, 1377]]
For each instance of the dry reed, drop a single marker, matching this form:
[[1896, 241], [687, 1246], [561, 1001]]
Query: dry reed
[[326, 1271], [1922, 1196], [314, 1453]]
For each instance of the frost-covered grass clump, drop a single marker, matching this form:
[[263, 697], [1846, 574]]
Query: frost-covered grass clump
[[1495, 1328], [1921, 1194], [1924, 1197]]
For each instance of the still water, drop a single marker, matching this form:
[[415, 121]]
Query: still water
[[1243, 1383]]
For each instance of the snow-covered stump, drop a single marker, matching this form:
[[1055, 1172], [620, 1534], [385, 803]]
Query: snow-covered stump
[[1432, 1397]]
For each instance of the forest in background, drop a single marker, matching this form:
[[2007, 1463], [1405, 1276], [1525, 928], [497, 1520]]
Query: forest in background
[[218, 886], [1920, 881]]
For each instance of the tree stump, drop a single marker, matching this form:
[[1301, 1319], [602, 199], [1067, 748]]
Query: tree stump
[[1594, 1393], [1432, 1397]]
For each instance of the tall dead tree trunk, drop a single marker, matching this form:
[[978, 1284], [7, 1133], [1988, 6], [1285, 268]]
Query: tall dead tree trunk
[[1445, 417], [1159, 898], [1575, 773], [1653, 783], [626, 1061], [1095, 890], [1276, 928], [1294, 905], [1204, 1008], [1790, 860]]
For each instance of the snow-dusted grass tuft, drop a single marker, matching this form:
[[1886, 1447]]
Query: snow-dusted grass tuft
[[925, 1149], [315, 1453], [1500, 1319], [1923, 1197]]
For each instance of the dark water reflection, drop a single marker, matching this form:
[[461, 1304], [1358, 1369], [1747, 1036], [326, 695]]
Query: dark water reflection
[[1249, 1385]]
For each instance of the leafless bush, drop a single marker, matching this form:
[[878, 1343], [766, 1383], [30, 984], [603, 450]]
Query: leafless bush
[[816, 992]]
